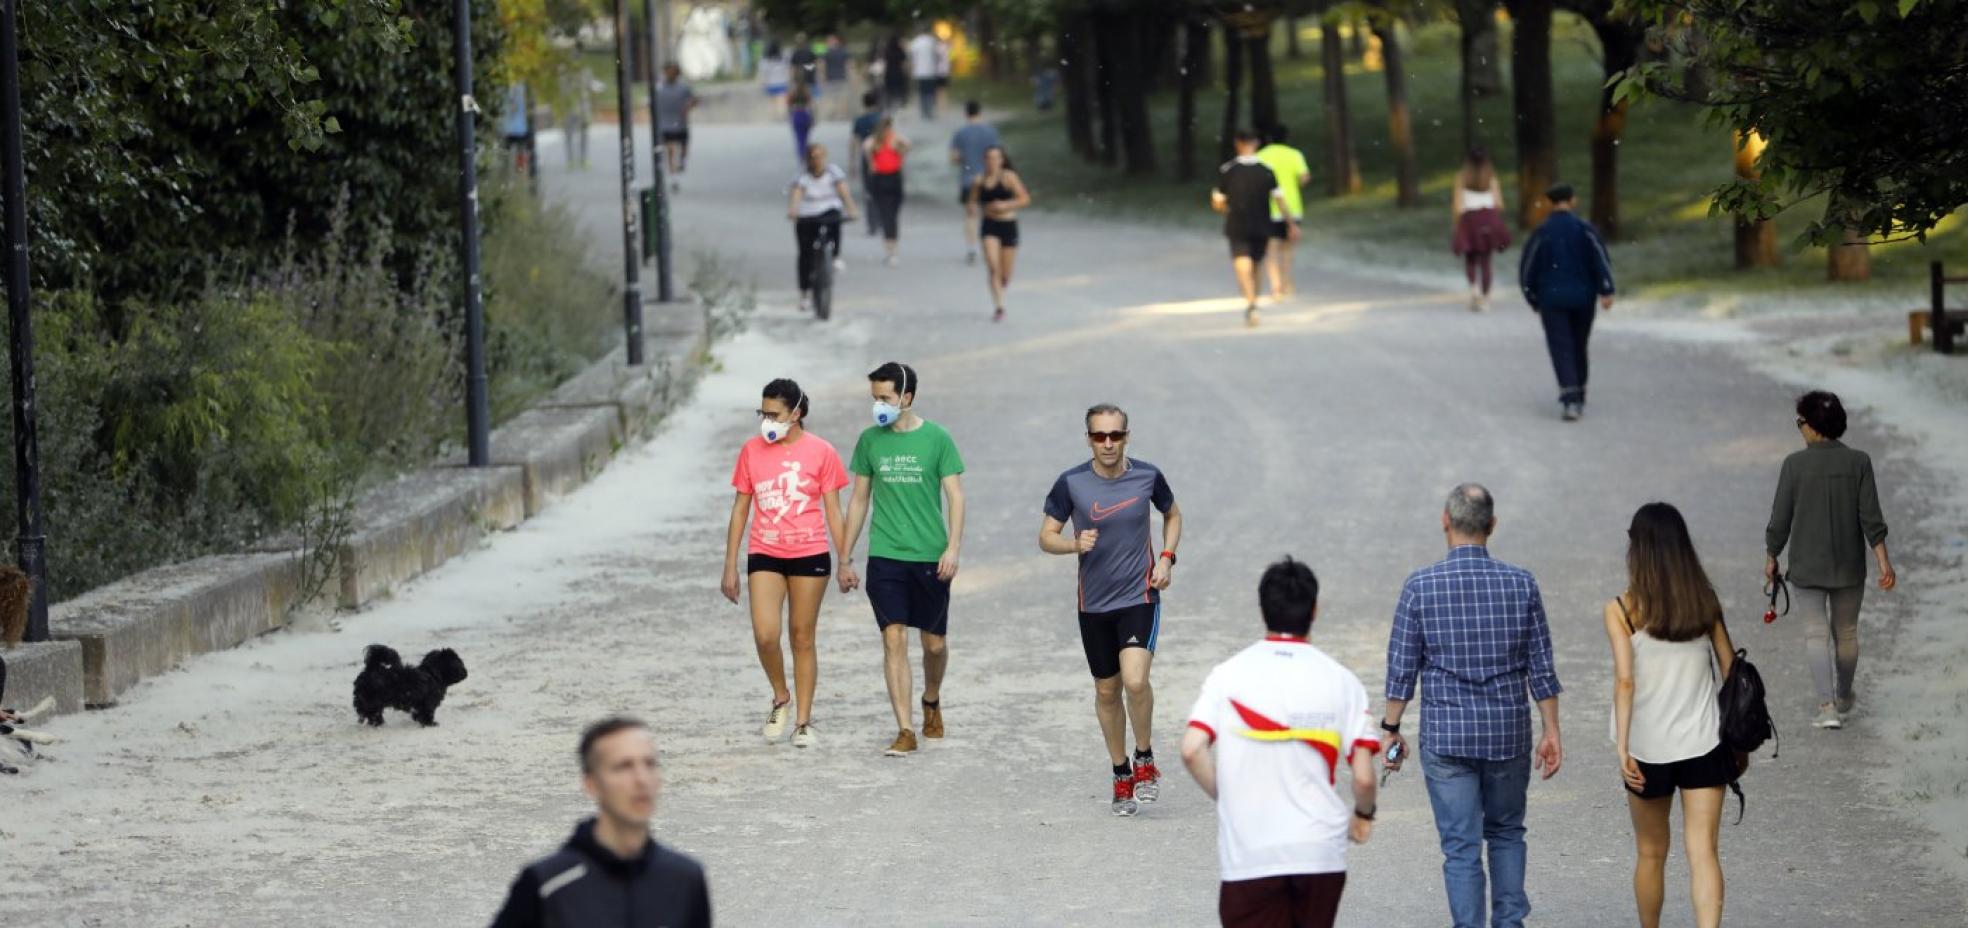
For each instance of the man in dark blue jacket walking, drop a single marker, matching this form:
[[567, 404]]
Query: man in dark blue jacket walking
[[1564, 268]]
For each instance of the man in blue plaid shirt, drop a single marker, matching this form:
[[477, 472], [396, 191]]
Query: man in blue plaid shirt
[[1472, 629]]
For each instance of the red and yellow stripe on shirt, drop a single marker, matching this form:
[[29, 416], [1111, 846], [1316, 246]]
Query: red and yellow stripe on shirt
[[1323, 740]]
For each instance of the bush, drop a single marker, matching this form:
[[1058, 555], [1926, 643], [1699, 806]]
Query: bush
[[547, 314]]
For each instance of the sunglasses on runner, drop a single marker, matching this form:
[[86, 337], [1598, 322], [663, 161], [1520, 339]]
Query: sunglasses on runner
[[1104, 437]]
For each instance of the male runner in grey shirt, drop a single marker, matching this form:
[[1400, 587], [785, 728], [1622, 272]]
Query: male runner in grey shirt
[[674, 101], [1121, 579]]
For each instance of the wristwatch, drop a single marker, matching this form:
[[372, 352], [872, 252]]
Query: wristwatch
[[1392, 728], [1171, 557], [1366, 816]]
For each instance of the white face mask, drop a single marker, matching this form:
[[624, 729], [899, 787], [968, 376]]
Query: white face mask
[[773, 430], [886, 414]]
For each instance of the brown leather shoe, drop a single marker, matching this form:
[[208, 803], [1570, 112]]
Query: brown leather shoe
[[932, 719], [904, 744]]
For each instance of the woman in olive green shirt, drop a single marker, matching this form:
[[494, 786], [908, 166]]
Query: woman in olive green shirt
[[1827, 513]]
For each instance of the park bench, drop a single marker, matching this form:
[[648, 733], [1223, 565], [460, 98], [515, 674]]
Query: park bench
[[1946, 324]]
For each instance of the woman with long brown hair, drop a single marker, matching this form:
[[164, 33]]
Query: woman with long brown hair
[[1479, 231], [1670, 650]]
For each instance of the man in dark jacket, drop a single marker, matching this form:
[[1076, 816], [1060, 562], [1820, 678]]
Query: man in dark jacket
[[610, 873], [1564, 268]]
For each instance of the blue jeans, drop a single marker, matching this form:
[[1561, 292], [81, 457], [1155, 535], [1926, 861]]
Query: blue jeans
[[1479, 802]]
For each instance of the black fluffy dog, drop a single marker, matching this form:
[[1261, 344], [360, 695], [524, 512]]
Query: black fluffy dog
[[385, 683]]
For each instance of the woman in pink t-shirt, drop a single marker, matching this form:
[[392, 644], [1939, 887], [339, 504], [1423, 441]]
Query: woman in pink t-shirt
[[788, 484]]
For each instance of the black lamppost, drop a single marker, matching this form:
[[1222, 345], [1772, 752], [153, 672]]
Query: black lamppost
[[31, 544], [661, 217], [478, 414], [631, 258]]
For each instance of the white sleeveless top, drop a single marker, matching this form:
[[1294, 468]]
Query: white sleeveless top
[[1473, 200], [1675, 712]]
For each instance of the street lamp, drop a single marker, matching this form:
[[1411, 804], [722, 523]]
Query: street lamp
[[631, 259], [478, 415], [661, 194], [32, 544]]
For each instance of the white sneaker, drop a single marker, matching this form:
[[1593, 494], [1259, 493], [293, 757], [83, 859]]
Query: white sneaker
[[891, 261], [775, 723], [803, 736], [840, 266], [1828, 718]]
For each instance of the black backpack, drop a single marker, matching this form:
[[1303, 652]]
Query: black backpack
[[1746, 720]]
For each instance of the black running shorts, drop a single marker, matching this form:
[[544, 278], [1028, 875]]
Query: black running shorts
[[1004, 230], [1105, 634], [679, 136], [814, 565], [1252, 248], [909, 593], [1716, 768]]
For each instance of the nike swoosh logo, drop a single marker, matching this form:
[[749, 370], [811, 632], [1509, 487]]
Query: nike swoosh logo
[[1099, 513]]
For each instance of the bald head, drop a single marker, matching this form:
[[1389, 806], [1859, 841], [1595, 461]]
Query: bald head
[[1470, 512]]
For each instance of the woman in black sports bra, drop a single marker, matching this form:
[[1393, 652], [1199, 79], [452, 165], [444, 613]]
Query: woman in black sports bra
[[999, 195]]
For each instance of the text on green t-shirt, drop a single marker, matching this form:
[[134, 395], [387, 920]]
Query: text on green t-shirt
[[906, 471]]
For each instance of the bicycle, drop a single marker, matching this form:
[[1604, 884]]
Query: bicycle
[[825, 236]]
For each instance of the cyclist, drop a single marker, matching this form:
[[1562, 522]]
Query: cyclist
[[817, 200]]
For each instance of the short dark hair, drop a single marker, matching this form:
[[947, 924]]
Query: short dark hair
[[870, 99], [972, 107], [603, 729], [1105, 409], [1276, 134], [1821, 410], [1288, 593], [1244, 136], [788, 391], [1559, 193], [895, 372]]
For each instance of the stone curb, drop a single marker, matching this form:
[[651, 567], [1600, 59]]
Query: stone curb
[[112, 638]]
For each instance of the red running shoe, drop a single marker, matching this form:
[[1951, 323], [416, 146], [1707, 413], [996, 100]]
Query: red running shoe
[[1124, 804], [1147, 780]]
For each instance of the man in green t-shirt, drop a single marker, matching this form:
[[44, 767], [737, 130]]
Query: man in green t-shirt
[[1288, 164], [906, 466]]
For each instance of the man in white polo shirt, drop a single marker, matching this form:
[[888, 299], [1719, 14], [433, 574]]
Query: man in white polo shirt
[[1283, 717]]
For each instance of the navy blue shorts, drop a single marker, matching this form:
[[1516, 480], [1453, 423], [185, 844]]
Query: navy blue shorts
[[1105, 634], [908, 593]]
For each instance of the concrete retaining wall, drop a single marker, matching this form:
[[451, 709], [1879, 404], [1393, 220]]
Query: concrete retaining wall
[[110, 639]]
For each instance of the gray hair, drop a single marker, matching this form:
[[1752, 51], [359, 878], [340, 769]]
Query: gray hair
[[1471, 510], [1105, 409]]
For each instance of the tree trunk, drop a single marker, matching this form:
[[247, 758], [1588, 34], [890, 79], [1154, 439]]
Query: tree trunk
[[1132, 35], [1105, 49], [1292, 49], [1233, 80], [987, 43], [1849, 261], [1756, 239], [1195, 42], [1356, 37], [1400, 123], [1488, 72], [1342, 168], [1264, 86], [1034, 53], [1475, 23], [1531, 98], [1620, 40], [1075, 76]]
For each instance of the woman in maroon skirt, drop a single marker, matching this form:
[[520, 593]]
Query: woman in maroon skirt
[[1480, 231]]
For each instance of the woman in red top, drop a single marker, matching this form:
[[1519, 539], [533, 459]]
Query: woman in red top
[[886, 150], [788, 482]]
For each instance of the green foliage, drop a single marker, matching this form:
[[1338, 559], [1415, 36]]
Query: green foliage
[[1865, 102], [547, 314]]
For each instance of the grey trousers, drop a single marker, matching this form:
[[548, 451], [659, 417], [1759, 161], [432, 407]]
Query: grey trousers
[[1831, 637]]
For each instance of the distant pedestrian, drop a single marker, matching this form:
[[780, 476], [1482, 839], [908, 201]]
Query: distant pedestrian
[[1479, 231], [1669, 649], [999, 193], [834, 68], [578, 114], [1288, 167], [886, 150], [805, 64], [776, 76], [674, 101], [1045, 88], [860, 131], [907, 468], [1472, 630], [1246, 191], [967, 148], [788, 482], [799, 115], [923, 70], [895, 74], [611, 872], [1288, 717], [942, 71], [1108, 501], [1564, 268], [1827, 512]]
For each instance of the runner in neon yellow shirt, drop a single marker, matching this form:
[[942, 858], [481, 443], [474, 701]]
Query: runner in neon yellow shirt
[[1289, 166]]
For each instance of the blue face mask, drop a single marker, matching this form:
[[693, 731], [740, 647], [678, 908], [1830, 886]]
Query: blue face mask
[[886, 414]]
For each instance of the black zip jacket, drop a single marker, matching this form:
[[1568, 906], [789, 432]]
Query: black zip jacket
[[584, 885]]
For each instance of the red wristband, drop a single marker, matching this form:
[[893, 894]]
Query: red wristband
[[1171, 557]]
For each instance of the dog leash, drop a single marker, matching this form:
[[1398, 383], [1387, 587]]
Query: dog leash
[[1774, 588]]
